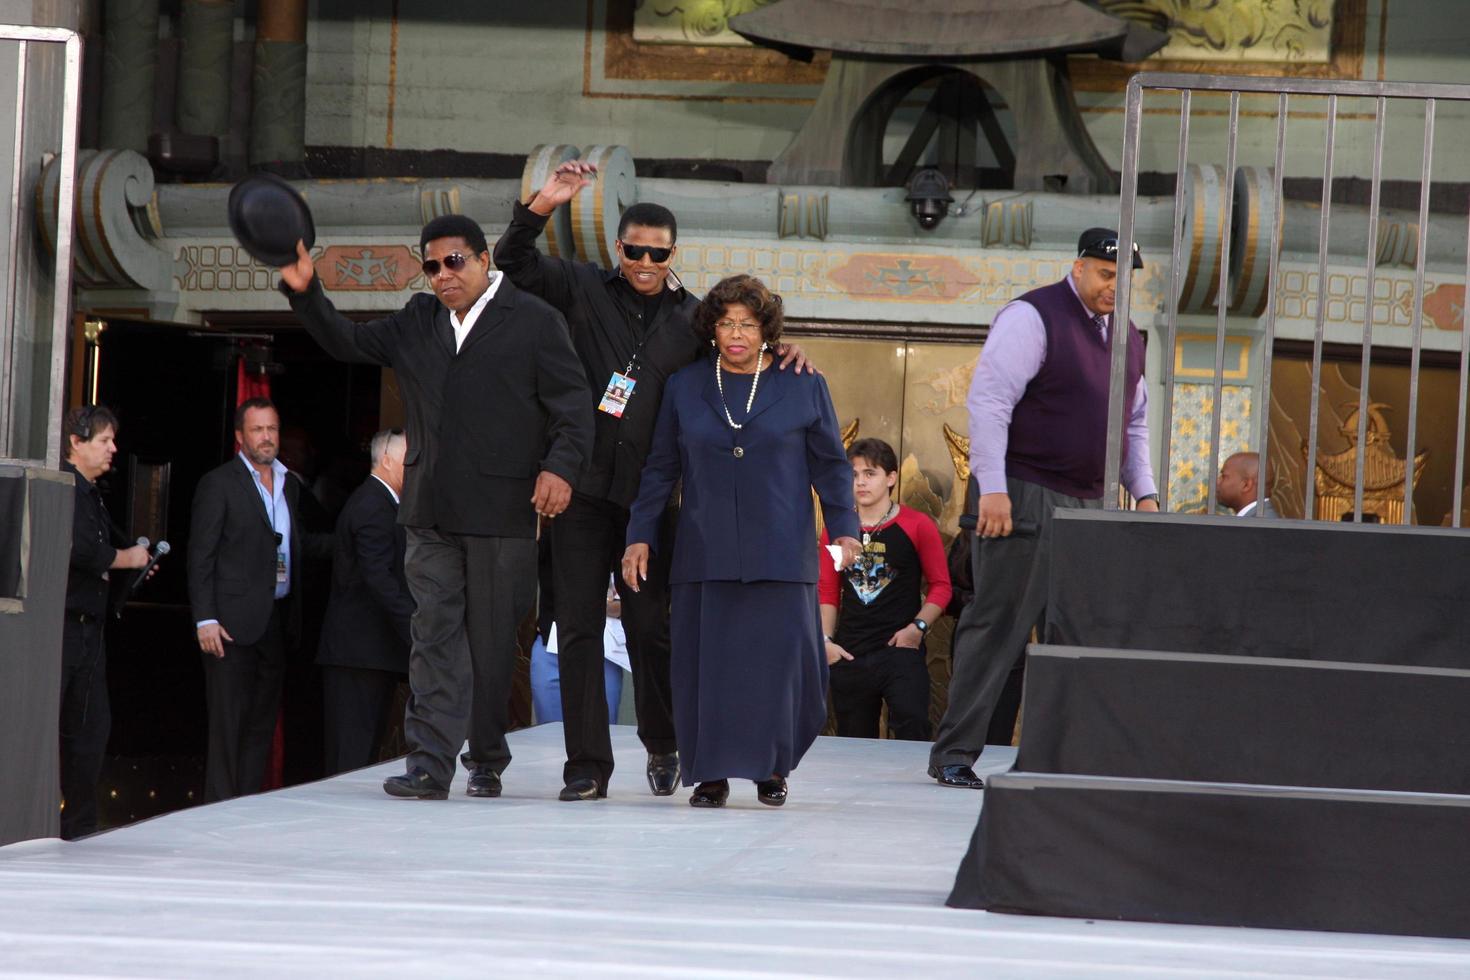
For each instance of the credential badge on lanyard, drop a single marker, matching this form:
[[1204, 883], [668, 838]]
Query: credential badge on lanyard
[[619, 390]]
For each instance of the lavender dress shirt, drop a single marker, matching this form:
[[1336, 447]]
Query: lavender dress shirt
[[1013, 354]]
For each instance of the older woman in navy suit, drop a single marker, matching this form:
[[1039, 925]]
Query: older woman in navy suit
[[749, 671]]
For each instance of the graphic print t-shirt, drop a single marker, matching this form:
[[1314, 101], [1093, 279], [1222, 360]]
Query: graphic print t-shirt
[[882, 592]]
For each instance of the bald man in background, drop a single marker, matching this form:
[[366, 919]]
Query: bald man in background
[[1238, 485]]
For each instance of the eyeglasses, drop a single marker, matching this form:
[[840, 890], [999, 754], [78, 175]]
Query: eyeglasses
[[737, 325], [636, 252], [453, 262]]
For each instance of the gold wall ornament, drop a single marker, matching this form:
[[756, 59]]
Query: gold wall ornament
[[1383, 472], [959, 453], [703, 22], [1236, 30]]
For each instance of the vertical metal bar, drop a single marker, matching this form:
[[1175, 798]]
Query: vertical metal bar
[[7, 325], [1268, 343], [1128, 198], [1171, 327], [1372, 271], [1463, 380], [1323, 225], [1222, 303], [1417, 326], [65, 217]]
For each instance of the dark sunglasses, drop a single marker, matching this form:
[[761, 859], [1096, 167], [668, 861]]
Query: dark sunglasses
[[636, 252], [453, 262]]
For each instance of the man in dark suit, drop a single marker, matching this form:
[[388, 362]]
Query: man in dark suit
[[365, 639], [245, 551], [499, 427]]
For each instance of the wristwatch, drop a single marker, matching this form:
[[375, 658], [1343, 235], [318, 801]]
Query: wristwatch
[[1149, 496], [923, 626]]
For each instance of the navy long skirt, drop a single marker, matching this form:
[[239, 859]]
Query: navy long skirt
[[749, 676]]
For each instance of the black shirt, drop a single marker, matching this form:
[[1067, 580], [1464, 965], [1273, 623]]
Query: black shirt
[[92, 548], [610, 323]]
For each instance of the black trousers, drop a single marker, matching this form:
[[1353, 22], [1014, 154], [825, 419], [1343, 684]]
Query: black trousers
[[990, 638], [472, 593], [892, 674], [355, 704], [86, 721], [587, 544], [243, 691]]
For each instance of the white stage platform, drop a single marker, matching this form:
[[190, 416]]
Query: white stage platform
[[336, 879]]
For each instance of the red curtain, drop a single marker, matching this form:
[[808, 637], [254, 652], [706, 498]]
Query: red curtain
[[251, 384]]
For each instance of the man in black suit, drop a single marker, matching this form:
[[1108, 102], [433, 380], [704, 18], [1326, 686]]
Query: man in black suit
[[245, 552], [365, 639], [499, 426]]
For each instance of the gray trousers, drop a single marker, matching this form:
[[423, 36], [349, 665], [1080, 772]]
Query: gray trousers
[[1011, 581], [471, 593]]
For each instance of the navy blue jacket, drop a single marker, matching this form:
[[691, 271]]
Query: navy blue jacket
[[746, 518]]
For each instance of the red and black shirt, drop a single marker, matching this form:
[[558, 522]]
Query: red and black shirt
[[883, 590]]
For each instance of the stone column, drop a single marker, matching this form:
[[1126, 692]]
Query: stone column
[[129, 62], [206, 33], [278, 89]]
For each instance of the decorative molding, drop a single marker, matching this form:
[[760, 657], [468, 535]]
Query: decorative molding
[[1229, 31], [1237, 349], [370, 268], [686, 22], [625, 57], [1349, 34]]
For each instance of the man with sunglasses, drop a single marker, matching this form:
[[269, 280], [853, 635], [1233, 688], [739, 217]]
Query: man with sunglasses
[[1038, 409], [632, 327], [499, 424]]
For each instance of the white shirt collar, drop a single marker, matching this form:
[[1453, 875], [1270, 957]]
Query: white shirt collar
[[462, 330], [1247, 508], [391, 492]]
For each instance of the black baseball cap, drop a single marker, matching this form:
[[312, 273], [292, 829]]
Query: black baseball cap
[[1102, 243]]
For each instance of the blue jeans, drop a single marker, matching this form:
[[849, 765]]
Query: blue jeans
[[546, 684]]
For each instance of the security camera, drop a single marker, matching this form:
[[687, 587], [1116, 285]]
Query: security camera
[[929, 197]]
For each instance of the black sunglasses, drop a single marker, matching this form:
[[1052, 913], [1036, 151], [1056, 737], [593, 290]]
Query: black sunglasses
[[636, 252], [453, 262]]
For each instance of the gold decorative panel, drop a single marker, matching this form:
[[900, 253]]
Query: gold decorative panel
[[1291, 386], [1191, 471]]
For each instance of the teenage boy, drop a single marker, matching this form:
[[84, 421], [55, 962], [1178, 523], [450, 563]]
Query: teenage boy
[[876, 613]]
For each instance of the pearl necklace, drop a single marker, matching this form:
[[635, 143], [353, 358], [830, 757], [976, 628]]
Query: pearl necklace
[[754, 384]]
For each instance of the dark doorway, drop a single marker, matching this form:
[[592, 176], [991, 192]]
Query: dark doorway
[[174, 390]]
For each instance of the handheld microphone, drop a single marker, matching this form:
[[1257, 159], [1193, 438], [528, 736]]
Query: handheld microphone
[[143, 542], [158, 553]]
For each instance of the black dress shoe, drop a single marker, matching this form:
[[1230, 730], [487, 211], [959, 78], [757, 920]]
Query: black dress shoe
[[663, 773], [771, 792], [416, 784], [585, 788], [711, 794], [962, 777], [484, 781]]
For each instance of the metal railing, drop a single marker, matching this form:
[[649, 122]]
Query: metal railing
[[1284, 89], [66, 207]]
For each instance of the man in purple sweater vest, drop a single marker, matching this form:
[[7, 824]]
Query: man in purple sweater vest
[[1038, 409]]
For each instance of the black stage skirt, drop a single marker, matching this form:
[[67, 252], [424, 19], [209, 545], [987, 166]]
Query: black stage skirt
[[749, 676]]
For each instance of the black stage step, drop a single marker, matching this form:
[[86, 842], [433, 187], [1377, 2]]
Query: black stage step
[[1221, 854], [1246, 720], [1268, 588]]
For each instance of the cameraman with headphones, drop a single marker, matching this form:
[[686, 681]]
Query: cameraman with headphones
[[86, 719]]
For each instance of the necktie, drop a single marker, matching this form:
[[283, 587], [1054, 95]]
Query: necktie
[[1101, 322]]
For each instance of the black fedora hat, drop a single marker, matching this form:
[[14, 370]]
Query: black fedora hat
[[268, 216]]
